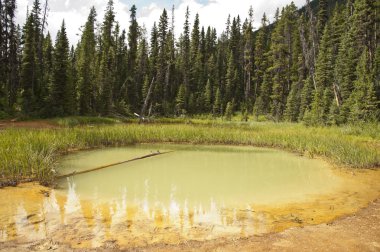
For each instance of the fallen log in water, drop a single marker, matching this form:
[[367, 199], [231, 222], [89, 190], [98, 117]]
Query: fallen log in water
[[115, 164]]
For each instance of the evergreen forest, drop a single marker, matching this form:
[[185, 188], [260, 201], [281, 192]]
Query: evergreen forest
[[319, 65]]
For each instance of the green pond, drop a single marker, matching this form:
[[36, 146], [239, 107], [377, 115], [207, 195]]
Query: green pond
[[197, 176], [191, 193]]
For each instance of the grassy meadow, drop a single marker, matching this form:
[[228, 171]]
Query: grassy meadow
[[33, 153]]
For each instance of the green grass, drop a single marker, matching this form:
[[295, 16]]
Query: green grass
[[82, 120], [26, 153]]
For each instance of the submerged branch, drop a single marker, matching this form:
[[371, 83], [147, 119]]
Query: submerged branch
[[115, 164]]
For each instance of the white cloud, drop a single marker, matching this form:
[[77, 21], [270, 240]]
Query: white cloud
[[213, 13], [74, 12]]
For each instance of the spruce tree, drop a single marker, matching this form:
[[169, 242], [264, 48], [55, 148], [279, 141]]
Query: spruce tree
[[86, 66], [180, 101], [106, 76], [322, 16], [60, 93], [186, 55], [29, 76], [217, 107], [324, 75], [229, 111], [260, 59], [208, 96], [132, 85], [162, 64], [363, 101]]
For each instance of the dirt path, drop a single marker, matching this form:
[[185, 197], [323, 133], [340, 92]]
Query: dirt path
[[360, 232], [40, 124]]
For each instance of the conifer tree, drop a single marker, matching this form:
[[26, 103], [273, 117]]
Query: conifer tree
[[28, 68], [324, 74], [208, 96], [106, 76], [60, 93], [363, 101], [86, 66], [132, 85], [229, 111], [186, 55], [248, 62], [261, 49], [322, 16], [162, 64], [217, 108], [180, 101]]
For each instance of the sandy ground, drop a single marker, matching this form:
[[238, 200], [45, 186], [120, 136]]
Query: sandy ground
[[360, 232]]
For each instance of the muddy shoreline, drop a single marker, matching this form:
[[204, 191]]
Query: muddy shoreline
[[358, 232]]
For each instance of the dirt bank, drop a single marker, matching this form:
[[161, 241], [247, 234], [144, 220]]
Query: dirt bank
[[360, 232], [40, 124]]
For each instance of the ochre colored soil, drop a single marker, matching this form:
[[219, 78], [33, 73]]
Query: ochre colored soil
[[27, 124], [360, 232]]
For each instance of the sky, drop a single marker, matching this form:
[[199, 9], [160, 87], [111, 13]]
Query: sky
[[211, 12]]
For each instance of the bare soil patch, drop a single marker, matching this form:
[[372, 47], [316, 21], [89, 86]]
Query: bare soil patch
[[359, 232], [40, 124]]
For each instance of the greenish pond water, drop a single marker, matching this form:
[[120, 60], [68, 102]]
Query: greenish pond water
[[197, 176]]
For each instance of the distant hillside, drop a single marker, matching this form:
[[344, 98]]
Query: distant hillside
[[331, 4]]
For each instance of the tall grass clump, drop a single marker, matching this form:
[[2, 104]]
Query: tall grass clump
[[32, 154], [84, 120]]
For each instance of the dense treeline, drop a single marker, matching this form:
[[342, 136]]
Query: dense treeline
[[317, 65]]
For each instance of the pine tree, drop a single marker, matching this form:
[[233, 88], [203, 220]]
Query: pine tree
[[28, 69], [180, 101], [248, 62], [132, 85], [143, 67], [106, 76], [194, 49], [208, 96], [229, 111], [186, 55], [323, 76], [298, 75], [60, 100], [70, 105], [48, 51], [293, 103], [9, 57], [363, 101], [162, 64], [217, 108], [153, 51], [86, 66], [307, 95], [230, 79], [322, 16], [261, 49], [282, 54], [38, 41]]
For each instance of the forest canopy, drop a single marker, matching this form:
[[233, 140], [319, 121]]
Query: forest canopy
[[319, 64]]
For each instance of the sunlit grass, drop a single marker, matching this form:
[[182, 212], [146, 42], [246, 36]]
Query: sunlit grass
[[26, 153], [82, 120]]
